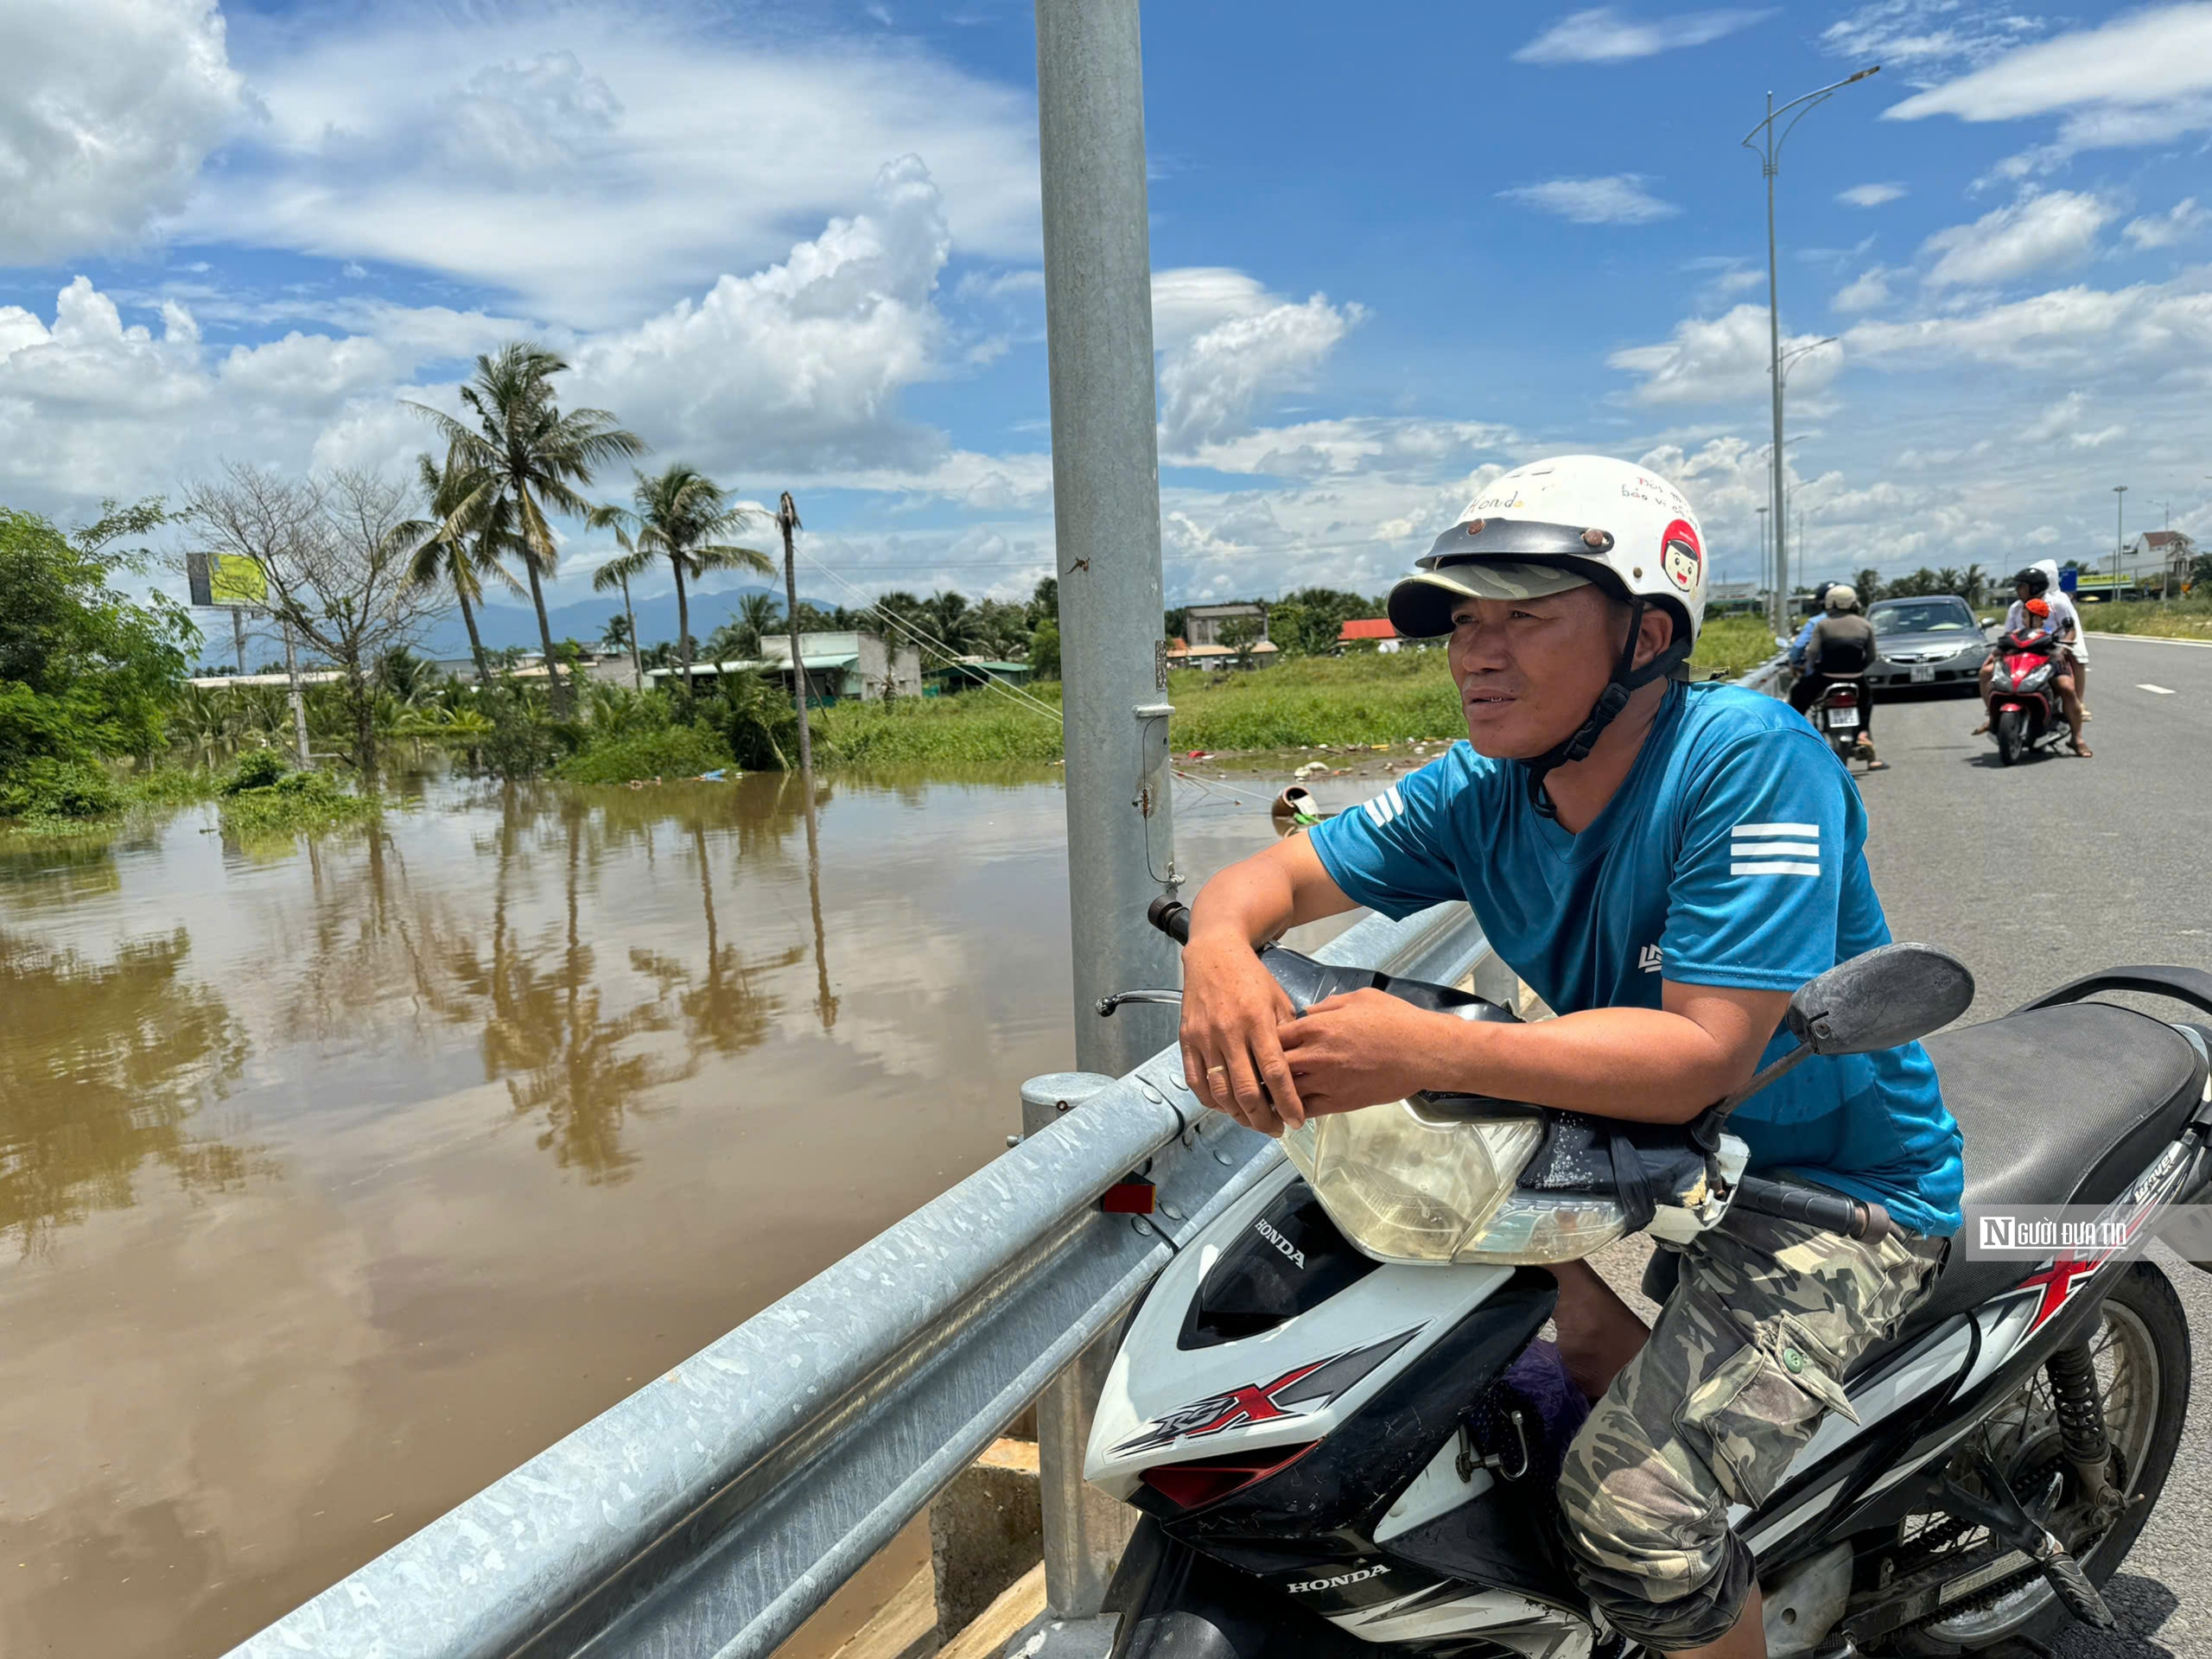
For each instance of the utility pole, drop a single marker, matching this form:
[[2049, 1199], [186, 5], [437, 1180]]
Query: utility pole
[[1763, 513], [1106, 512], [787, 521], [2119, 501], [1113, 661], [1768, 148]]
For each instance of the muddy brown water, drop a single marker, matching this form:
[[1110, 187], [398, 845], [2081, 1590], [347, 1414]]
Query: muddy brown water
[[337, 1179]]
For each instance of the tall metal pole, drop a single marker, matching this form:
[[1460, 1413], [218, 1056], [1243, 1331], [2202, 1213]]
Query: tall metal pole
[[1768, 149], [1106, 511], [2119, 501], [1113, 660], [787, 521], [238, 634], [1768, 162]]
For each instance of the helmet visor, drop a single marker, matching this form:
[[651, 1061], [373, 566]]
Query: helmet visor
[[1498, 559]]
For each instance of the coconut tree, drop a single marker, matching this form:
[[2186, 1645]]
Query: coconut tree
[[678, 514], [458, 545], [537, 458], [756, 616], [626, 624]]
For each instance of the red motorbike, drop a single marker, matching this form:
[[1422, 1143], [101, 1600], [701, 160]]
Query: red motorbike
[[2023, 711]]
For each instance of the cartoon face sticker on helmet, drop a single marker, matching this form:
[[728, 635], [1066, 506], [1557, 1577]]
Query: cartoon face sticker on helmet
[[1680, 556]]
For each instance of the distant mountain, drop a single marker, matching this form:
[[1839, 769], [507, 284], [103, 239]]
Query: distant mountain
[[502, 625]]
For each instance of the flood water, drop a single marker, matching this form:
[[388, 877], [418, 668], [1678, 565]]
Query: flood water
[[337, 1179]]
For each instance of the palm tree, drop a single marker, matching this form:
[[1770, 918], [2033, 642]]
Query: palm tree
[[458, 544], [953, 621], [756, 616], [679, 513], [535, 458], [620, 629]]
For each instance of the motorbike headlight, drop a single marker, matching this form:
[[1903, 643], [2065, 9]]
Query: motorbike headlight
[[2036, 677], [1406, 1187], [1999, 679]]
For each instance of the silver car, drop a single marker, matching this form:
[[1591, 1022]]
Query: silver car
[[1927, 641]]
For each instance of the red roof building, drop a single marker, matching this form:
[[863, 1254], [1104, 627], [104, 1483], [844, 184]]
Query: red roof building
[[1371, 627]]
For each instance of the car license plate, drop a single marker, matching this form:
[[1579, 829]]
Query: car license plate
[[1842, 718], [1922, 673]]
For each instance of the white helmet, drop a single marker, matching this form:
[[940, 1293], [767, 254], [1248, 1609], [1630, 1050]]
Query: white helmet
[[1555, 524], [1841, 597]]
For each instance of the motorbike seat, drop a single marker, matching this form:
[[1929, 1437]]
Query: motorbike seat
[[2058, 1105]]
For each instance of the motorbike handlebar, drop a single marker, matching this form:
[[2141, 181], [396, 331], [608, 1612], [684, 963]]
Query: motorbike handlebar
[[1831, 1211], [1172, 916]]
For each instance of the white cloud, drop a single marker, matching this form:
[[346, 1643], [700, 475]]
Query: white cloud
[[1868, 291], [593, 159], [2183, 219], [798, 366], [1870, 195], [1602, 34], [2037, 230], [1210, 385], [2066, 421], [2146, 59], [2155, 328], [1722, 359], [1912, 35], [1616, 198], [107, 109]]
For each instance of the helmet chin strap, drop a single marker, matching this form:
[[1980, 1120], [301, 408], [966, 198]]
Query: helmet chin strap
[[1627, 680]]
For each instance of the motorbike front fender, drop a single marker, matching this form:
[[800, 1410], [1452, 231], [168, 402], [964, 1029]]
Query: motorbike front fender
[[1177, 1604]]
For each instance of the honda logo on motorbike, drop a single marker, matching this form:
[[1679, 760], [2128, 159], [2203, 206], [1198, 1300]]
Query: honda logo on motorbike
[[1276, 1239], [1340, 1580]]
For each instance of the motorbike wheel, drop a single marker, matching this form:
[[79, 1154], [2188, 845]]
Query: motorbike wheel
[[2141, 1350], [2012, 736]]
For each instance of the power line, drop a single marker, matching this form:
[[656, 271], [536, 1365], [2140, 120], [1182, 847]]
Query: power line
[[926, 641]]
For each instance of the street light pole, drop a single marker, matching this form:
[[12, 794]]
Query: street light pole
[[2119, 501], [1790, 361], [1769, 150]]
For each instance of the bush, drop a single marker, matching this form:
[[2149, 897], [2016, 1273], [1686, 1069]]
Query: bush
[[297, 802], [256, 769], [676, 752], [756, 718], [47, 788]]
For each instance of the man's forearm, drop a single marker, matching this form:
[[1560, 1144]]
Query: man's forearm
[[1640, 1064]]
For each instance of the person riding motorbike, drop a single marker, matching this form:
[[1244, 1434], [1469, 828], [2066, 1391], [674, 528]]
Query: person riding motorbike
[[1662, 863], [1841, 646], [2074, 637], [2060, 618], [1805, 638]]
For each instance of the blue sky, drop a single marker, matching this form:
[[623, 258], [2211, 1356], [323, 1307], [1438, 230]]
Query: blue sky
[[1396, 249]]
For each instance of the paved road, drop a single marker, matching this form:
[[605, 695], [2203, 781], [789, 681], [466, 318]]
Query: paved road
[[2035, 873]]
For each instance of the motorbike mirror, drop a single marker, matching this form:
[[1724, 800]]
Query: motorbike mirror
[[1886, 997]]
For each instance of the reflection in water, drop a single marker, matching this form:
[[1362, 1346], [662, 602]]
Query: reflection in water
[[218, 1396], [100, 1066]]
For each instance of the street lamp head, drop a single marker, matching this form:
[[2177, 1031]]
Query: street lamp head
[[1870, 69]]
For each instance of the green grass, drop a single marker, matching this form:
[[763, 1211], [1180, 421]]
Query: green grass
[[297, 804], [673, 752], [1296, 702], [2180, 619]]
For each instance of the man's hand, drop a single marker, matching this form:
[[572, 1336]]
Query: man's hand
[[1232, 1058], [1367, 1047]]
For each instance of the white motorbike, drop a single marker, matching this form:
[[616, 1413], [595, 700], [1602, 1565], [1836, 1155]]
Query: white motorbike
[[1335, 1414]]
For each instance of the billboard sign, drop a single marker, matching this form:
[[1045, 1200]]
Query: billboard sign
[[226, 579]]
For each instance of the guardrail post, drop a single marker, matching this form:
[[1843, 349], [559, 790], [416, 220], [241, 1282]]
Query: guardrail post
[[1084, 1530]]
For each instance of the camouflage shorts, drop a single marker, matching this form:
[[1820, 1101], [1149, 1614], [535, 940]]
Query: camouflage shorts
[[1744, 1361]]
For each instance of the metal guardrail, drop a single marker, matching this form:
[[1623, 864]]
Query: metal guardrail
[[1770, 677], [710, 1512]]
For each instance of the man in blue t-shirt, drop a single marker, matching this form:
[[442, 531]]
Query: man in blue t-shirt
[[1664, 864]]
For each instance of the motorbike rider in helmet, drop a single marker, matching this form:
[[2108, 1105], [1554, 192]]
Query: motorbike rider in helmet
[[1841, 646], [1805, 638], [2064, 623], [1664, 863]]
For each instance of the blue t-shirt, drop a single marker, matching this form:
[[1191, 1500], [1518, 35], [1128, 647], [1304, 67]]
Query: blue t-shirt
[[1733, 854]]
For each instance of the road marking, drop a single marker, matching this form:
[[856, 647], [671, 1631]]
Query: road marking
[[2161, 690], [2148, 639]]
